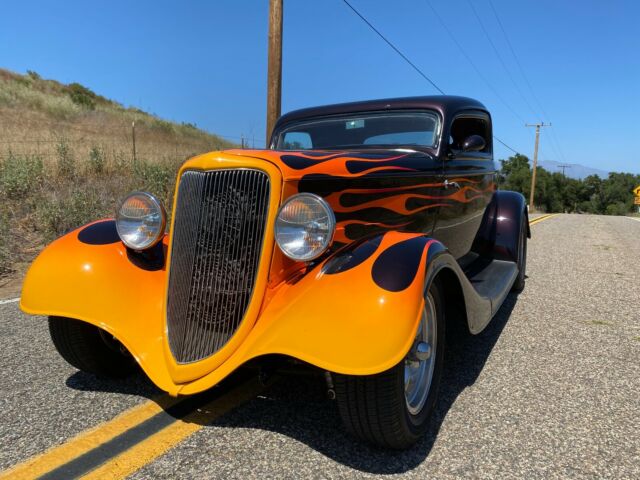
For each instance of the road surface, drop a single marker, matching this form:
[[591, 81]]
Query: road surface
[[550, 390]]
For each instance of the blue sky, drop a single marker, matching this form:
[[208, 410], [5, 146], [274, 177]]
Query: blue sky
[[205, 62]]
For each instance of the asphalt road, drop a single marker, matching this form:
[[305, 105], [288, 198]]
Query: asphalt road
[[550, 390]]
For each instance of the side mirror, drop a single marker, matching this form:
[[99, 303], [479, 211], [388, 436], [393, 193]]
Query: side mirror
[[473, 143]]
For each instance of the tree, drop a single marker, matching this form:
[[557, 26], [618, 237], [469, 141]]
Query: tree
[[557, 193], [516, 174]]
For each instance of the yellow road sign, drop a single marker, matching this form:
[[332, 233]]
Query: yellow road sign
[[636, 191]]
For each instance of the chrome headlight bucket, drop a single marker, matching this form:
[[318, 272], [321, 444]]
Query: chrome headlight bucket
[[304, 227], [140, 221]]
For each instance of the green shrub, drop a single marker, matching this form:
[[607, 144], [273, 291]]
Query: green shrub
[[5, 245], [81, 95], [19, 175], [66, 162], [67, 211], [33, 75], [96, 160], [121, 162], [617, 208], [156, 178], [162, 125]]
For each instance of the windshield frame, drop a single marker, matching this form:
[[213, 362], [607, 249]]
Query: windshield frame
[[277, 136]]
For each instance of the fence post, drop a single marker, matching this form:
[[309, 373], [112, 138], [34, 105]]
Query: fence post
[[133, 136]]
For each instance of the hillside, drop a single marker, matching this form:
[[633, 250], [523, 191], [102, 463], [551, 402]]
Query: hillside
[[35, 113], [67, 157]]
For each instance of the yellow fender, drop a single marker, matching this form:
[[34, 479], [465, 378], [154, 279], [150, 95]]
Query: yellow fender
[[355, 313]]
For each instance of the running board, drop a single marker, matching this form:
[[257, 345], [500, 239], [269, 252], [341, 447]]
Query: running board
[[491, 279], [485, 283]]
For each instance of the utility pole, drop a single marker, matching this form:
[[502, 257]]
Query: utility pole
[[274, 72], [535, 157], [563, 167]]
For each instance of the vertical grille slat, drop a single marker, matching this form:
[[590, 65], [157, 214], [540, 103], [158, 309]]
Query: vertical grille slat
[[219, 224]]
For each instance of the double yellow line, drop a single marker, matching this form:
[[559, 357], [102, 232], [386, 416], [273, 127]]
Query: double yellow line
[[80, 458], [150, 429], [543, 218]]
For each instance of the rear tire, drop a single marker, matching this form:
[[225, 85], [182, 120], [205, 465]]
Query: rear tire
[[386, 409], [518, 285], [89, 348]]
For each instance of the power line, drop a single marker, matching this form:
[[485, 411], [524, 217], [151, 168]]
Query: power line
[[524, 76], [563, 168], [497, 52], [507, 146], [519, 65], [472, 63], [422, 74]]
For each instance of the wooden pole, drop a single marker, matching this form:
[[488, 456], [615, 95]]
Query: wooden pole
[[274, 72], [535, 166], [133, 137], [535, 160]]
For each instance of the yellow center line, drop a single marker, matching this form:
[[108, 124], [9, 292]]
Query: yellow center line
[[87, 440], [143, 452], [543, 218], [152, 447], [155, 445]]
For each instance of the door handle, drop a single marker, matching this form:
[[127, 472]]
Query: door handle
[[448, 184]]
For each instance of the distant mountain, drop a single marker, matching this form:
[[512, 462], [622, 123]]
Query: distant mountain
[[573, 170]]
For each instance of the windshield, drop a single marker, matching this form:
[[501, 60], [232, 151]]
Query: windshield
[[370, 130]]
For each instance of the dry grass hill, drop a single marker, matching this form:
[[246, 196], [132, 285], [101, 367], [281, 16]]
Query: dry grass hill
[[67, 156]]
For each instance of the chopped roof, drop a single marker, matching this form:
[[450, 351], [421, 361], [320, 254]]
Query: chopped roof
[[445, 104]]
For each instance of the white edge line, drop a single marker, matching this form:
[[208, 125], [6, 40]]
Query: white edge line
[[10, 300], [634, 218]]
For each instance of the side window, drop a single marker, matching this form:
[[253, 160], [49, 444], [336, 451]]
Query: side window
[[464, 127], [297, 141]]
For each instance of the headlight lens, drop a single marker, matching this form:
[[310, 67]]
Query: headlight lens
[[305, 227], [140, 221]]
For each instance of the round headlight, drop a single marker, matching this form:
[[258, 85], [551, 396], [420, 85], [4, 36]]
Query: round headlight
[[140, 221], [305, 227]]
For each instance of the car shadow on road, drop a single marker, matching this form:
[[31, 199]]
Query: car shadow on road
[[137, 384], [296, 405]]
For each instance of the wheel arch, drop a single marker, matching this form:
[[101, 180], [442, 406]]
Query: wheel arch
[[499, 233], [455, 305]]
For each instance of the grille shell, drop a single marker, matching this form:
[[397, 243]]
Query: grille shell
[[219, 225]]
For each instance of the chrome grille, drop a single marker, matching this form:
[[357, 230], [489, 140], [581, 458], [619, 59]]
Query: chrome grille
[[219, 224]]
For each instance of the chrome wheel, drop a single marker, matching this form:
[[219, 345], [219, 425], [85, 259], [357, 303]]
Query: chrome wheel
[[420, 361], [392, 408]]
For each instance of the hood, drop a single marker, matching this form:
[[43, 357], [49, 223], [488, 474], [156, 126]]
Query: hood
[[297, 164]]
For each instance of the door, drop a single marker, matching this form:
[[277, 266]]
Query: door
[[468, 183]]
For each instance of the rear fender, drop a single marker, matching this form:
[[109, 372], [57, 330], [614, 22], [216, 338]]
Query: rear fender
[[499, 233]]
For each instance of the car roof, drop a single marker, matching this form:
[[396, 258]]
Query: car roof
[[446, 105]]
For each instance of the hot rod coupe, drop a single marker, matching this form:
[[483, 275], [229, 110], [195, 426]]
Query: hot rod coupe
[[351, 244]]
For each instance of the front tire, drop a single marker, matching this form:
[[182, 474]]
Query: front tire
[[392, 409], [89, 348]]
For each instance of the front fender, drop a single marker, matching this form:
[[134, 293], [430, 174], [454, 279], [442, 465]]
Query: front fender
[[355, 313], [89, 275]]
